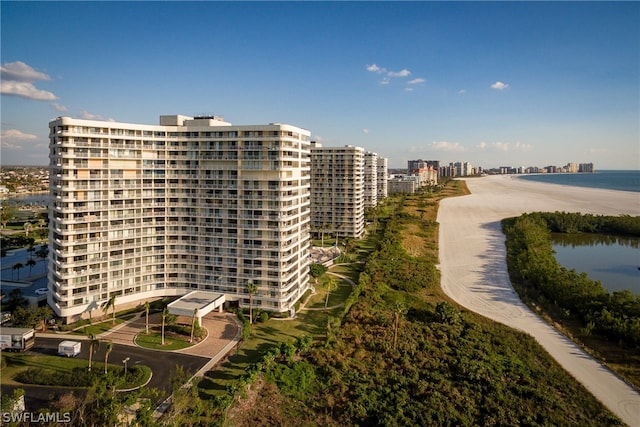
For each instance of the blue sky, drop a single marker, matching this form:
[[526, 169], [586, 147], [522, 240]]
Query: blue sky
[[520, 84]]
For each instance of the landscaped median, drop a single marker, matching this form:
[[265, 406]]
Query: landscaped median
[[21, 368]]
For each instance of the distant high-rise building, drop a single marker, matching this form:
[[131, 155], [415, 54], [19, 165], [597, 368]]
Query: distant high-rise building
[[337, 190], [383, 177], [370, 179], [145, 211], [586, 167]]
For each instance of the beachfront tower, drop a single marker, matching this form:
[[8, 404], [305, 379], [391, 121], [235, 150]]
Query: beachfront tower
[[194, 203]]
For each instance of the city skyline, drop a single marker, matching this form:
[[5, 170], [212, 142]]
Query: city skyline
[[519, 84]]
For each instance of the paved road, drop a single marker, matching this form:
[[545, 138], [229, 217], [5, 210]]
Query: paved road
[[162, 364], [474, 272]]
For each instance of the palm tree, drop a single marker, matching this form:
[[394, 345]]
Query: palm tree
[[31, 262], [43, 252], [44, 313], [17, 266], [110, 303], [146, 309], [94, 344], [252, 289], [193, 323], [165, 313], [107, 350], [331, 286]]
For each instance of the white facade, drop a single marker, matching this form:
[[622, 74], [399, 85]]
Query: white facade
[[370, 179], [337, 190], [143, 211], [383, 177]]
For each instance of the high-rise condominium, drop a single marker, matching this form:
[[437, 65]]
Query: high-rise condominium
[[370, 179], [337, 190], [144, 211]]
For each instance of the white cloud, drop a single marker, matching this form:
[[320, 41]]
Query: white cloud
[[12, 138], [373, 68], [523, 147], [408, 89], [90, 116], [505, 146], [447, 146], [21, 72], [18, 78], [499, 85], [25, 90], [385, 81], [461, 92], [365, 130], [401, 73], [58, 107], [416, 81]]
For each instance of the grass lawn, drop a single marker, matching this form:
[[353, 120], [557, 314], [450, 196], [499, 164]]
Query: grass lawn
[[18, 362], [154, 341], [265, 337], [104, 326]]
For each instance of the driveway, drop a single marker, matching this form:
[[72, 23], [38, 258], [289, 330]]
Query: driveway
[[163, 365], [474, 272]]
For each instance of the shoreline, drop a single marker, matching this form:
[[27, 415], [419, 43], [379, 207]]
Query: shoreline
[[474, 272]]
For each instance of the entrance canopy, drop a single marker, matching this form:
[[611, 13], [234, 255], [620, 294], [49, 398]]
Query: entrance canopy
[[204, 302]]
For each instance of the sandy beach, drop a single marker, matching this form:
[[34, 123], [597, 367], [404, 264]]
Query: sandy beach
[[474, 272]]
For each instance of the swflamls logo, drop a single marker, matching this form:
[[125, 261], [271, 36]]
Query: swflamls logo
[[36, 417]]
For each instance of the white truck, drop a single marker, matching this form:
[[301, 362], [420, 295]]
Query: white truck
[[69, 348], [17, 339]]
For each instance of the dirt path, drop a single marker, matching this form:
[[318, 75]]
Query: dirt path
[[474, 271]]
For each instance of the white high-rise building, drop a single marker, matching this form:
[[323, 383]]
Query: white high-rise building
[[143, 211], [383, 177], [370, 179], [337, 190]]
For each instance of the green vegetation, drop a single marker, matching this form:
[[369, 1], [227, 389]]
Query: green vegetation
[[67, 372], [608, 324], [176, 337], [399, 353]]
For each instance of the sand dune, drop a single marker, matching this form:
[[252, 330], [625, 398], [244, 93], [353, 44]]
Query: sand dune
[[474, 272]]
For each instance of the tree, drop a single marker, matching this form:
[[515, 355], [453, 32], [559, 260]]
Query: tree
[[16, 267], [94, 344], [7, 213], [110, 303], [146, 309], [16, 299], [30, 263], [324, 229], [398, 309], [165, 313], [332, 284], [193, 323], [252, 289], [107, 349], [44, 313], [31, 249], [316, 270], [43, 252], [24, 317]]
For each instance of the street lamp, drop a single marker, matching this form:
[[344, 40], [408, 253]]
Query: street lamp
[[125, 366]]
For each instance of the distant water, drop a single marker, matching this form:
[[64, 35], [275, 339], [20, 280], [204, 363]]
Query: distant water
[[611, 180]]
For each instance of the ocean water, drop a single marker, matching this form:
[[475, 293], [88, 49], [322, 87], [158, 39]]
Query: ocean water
[[607, 179]]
